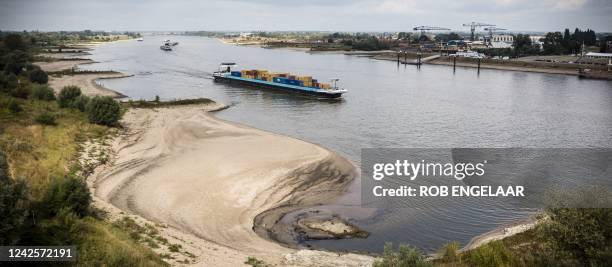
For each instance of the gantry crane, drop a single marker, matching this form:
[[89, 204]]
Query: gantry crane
[[474, 25], [491, 31], [423, 29]]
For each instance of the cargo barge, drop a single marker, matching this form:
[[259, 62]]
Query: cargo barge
[[285, 82]]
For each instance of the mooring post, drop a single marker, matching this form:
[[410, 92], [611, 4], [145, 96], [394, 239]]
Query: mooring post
[[454, 63], [398, 56], [478, 64]]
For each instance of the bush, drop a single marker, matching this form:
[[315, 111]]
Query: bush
[[68, 193], [405, 256], [21, 91], [578, 236], [7, 82], [67, 96], [45, 119], [13, 205], [14, 107], [38, 76], [63, 228], [104, 111], [493, 254], [42, 92], [81, 102], [582, 234]]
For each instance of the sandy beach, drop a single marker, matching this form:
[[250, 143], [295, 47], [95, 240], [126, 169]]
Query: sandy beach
[[565, 71], [87, 82], [209, 178]]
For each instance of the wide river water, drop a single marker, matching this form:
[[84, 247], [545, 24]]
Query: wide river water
[[387, 106]]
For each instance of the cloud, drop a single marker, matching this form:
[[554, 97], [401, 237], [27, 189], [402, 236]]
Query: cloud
[[326, 15]]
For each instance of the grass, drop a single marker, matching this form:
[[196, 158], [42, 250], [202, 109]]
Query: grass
[[104, 245], [39, 153], [516, 250]]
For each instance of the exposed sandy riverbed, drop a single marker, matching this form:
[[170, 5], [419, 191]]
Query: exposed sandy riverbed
[[62, 63], [208, 179], [88, 82]]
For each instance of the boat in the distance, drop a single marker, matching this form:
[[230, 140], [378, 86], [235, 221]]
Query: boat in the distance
[[279, 81], [140, 39], [166, 47], [170, 43]]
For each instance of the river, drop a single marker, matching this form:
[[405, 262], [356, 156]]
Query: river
[[387, 106]]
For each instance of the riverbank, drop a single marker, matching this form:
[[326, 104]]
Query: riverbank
[[222, 176], [61, 68], [501, 233]]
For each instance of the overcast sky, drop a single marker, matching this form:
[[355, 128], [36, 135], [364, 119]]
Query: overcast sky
[[325, 15]]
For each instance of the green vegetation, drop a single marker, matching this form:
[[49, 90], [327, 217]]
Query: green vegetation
[[42, 92], [68, 95], [253, 261], [43, 197], [404, 256], [38, 76], [45, 119], [156, 103], [569, 237], [564, 237], [104, 110], [450, 252]]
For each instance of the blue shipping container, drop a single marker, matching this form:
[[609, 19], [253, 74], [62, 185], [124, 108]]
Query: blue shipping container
[[236, 74]]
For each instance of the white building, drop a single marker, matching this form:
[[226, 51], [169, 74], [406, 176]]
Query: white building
[[501, 45], [536, 39], [598, 55], [503, 38]]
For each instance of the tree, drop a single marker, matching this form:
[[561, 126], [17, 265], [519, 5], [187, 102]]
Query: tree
[[523, 45], [104, 110], [68, 95], [553, 43]]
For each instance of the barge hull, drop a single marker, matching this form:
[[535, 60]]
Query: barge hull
[[275, 86]]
